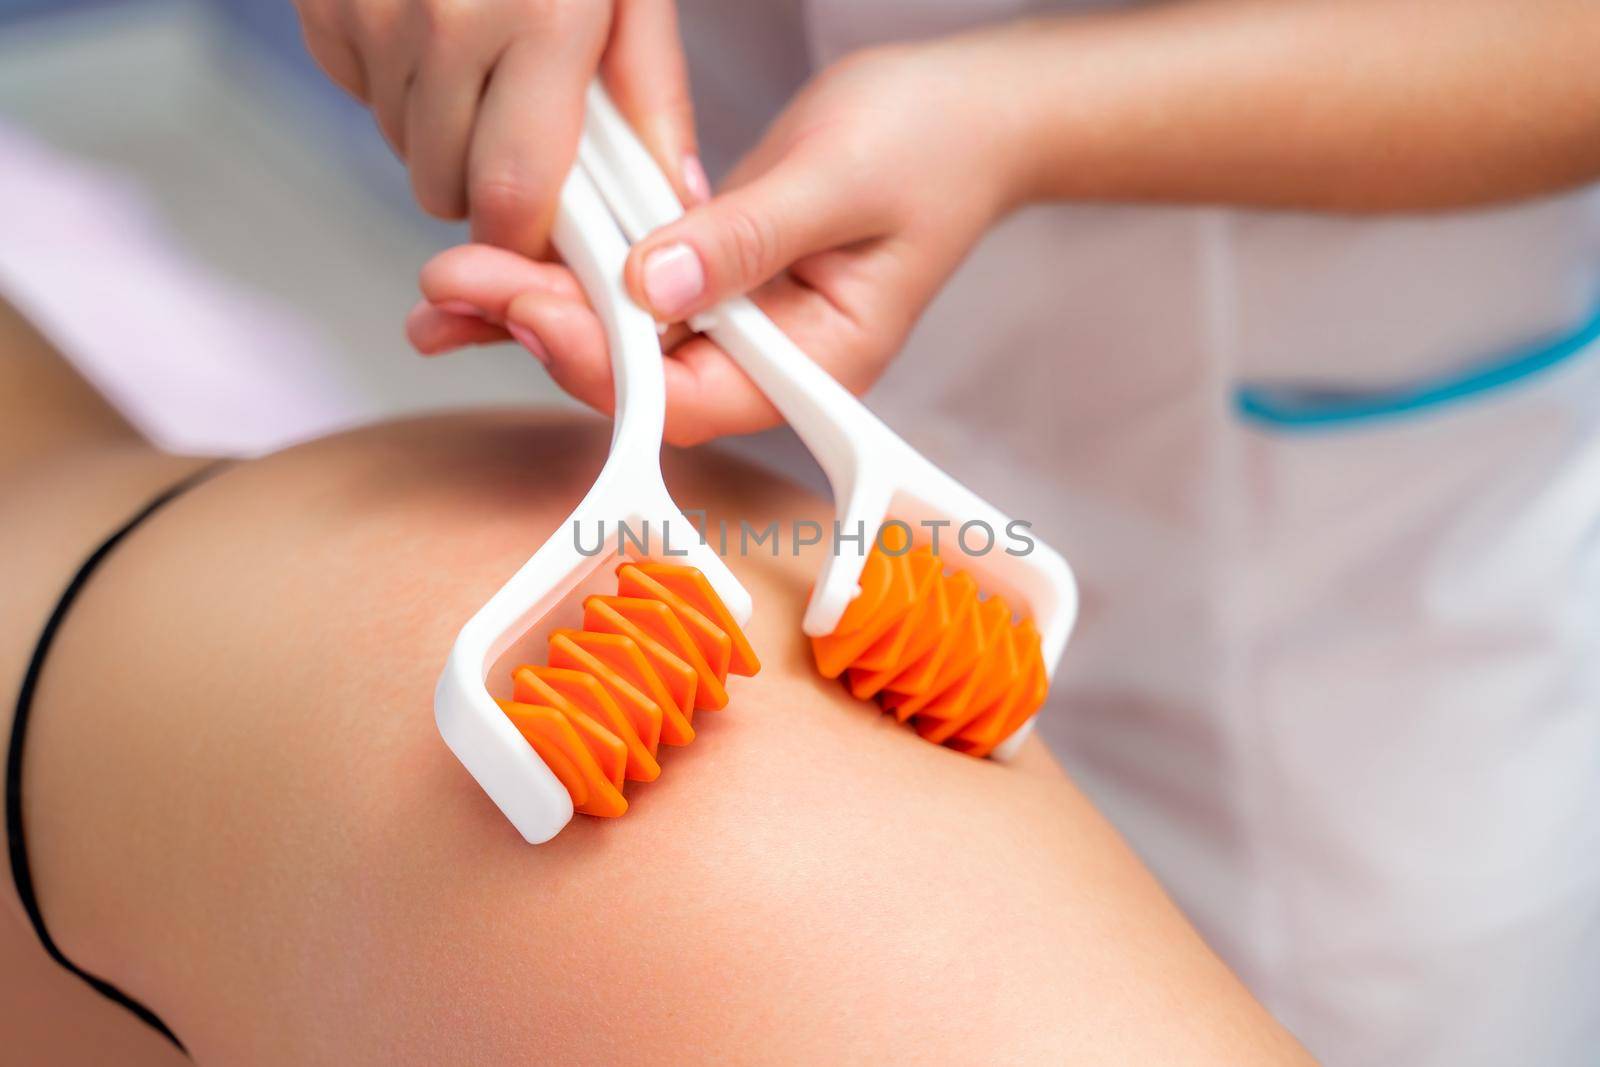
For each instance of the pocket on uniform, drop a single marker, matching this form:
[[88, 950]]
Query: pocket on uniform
[[1311, 406]]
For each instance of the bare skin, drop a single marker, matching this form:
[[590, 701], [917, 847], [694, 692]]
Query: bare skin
[[880, 176], [239, 809], [482, 100]]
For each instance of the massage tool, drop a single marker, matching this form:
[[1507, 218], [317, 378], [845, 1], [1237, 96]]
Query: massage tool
[[630, 675], [922, 639], [900, 626]]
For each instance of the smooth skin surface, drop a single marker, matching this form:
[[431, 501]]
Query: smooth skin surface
[[240, 811]]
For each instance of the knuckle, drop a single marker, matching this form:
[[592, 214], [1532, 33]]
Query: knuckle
[[545, 15], [439, 199], [750, 243], [501, 203], [451, 31], [377, 21], [858, 151], [563, 12], [444, 16]]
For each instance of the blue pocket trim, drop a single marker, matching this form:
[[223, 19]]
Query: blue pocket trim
[[1303, 408]]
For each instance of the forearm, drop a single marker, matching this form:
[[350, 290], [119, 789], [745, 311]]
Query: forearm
[[1344, 105]]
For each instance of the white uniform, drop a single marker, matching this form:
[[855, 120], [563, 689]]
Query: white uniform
[[1333, 490]]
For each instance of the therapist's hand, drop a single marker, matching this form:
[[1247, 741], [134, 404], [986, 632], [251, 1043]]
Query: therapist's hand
[[483, 99], [844, 222]]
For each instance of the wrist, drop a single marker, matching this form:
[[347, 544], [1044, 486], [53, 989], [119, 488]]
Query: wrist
[[1023, 86], [999, 109], [977, 125]]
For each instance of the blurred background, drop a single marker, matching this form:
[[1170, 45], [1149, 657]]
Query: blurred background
[[192, 144]]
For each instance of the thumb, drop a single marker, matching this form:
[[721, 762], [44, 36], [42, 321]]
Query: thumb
[[747, 236], [644, 69]]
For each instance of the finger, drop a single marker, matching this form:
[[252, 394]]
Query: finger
[[568, 338], [488, 279], [644, 69], [748, 235], [443, 105], [527, 134], [708, 395], [338, 60], [390, 43], [674, 335], [433, 330], [390, 103]]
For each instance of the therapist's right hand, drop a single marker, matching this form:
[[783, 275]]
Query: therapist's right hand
[[483, 99], [842, 224]]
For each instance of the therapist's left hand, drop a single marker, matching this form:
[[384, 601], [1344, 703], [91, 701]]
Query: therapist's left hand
[[843, 223]]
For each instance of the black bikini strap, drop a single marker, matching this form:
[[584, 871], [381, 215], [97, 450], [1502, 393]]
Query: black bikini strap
[[21, 872]]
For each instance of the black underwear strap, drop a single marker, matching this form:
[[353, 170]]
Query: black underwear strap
[[21, 872]]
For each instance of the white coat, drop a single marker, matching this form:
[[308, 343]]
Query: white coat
[[1332, 486]]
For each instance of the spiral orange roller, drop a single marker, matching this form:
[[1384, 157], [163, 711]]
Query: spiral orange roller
[[955, 664], [923, 643], [960, 668], [642, 662], [627, 683]]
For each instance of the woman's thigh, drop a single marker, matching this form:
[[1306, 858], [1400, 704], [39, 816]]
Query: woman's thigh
[[255, 828]]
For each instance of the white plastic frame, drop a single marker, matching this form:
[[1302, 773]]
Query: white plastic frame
[[629, 489], [874, 474]]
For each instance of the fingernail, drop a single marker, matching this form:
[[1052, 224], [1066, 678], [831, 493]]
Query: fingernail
[[461, 307], [673, 278], [695, 180], [529, 340]]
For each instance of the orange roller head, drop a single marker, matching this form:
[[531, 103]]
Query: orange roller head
[[624, 657], [648, 622], [1036, 688], [961, 601], [873, 584], [994, 671], [890, 649], [661, 622], [712, 640], [933, 652], [960, 650], [645, 714], [627, 682], [837, 651], [691, 587], [1000, 716], [925, 626], [564, 752], [563, 688], [606, 747]]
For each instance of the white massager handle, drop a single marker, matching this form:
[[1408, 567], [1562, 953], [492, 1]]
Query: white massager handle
[[630, 488], [873, 472]]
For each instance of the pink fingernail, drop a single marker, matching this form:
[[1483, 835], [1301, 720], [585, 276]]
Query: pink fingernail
[[529, 340], [673, 278], [695, 180], [461, 307]]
